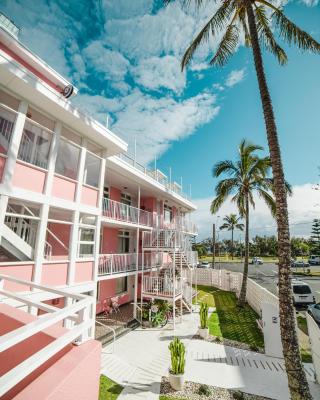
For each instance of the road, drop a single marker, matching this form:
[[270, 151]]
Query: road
[[267, 276]]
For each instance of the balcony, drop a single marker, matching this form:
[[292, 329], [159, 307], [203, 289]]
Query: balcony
[[117, 211], [156, 286], [113, 264], [181, 224]]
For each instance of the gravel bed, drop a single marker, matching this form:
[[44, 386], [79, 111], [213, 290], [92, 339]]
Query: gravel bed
[[190, 392], [231, 343]]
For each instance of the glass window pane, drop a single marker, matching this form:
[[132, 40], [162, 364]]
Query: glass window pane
[[121, 285], [86, 235], [35, 145], [67, 160], [6, 126], [86, 250], [92, 170]]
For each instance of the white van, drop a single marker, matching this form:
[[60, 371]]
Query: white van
[[302, 293], [314, 260]]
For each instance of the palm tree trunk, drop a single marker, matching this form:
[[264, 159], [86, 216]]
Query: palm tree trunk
[[243, 292], [232, 249], [297, 381]]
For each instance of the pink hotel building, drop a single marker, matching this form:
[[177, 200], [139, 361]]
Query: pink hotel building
[[84, 230]]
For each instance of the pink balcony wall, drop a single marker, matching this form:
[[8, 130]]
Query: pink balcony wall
[[2, 165], [73, 373], [83, 271], [89, 196], [62, 232], [29, 177], [107, 289], [63, 188], [109, 241], [21, 271], [115, 194], [54, 273]]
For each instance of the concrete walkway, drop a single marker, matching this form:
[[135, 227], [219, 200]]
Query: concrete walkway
[[141, 358]]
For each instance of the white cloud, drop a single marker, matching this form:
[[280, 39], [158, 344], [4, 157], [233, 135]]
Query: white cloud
[[110, 63], [235, 77], [310, 3], [160, 72], [304, 206]]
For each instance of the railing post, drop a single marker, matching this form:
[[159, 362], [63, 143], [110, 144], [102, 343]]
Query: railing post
[[83, 316], [111, 264]]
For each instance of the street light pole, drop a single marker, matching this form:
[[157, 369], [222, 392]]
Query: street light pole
[[213, 245]]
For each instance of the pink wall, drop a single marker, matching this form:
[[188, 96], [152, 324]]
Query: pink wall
[[2, 165], [21, 271], [71, 374], [83, 271], [63, 188], [54, 273], [107, 290], [89, 196], [28, 177], [110, 241], [115, 193], [62, 232]]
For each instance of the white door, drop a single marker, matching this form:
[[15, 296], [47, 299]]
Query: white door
[[271, 330]]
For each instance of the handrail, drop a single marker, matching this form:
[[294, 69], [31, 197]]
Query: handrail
[[113, 331]]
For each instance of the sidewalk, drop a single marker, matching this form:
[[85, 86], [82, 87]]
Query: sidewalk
[[142, 357]]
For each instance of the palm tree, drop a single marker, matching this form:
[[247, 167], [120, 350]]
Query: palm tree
[[247, 175], [231, 222], [254, 18]]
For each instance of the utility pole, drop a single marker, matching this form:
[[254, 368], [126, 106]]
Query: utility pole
[[213, 245]]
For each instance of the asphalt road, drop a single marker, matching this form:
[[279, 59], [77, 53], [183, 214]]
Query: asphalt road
[[266, 275]]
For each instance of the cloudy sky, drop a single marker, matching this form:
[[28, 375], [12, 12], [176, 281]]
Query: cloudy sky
[[124, 56]]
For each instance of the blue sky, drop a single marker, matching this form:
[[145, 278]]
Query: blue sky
[[124, 57]]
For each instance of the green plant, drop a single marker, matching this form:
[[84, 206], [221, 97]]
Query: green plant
[[217, 339], [204, 390], [178, 356], [157, 318], [238, 395], [204, 310]]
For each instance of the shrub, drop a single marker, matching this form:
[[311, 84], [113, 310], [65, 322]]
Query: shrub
[[204, 310], [204, 390], [238, 395], [178, 356], [217, 339]]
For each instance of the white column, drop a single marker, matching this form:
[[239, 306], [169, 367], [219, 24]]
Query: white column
[[39, 247], [74, 236], [137, 261], [12, 156], [54, 148]]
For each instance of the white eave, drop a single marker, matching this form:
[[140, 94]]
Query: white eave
[[25, 84], [117, 164]]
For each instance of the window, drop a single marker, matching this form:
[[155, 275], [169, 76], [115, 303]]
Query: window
[[121, 285], [35, 145], [86, 242], [124, 242], [301, 289], [92, 170], [106, 194], [67, 159], [6, 126], [126, 199], [167, 213]]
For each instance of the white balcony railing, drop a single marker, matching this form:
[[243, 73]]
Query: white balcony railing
[[163, 238], [78, 312], [112, 264], [161, 286], [122, 212], [181, 224]]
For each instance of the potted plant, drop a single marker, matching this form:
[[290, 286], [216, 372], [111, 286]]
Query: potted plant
[[203, 329], [178, 361]]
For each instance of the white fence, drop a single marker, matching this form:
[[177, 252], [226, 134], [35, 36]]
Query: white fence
[[231, 281], [314, 336]]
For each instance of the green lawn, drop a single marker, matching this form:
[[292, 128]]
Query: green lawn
[[228, 321], [109, 390]]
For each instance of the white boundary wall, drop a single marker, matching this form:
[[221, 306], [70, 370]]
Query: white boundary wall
[[231, 281], [314, 335]]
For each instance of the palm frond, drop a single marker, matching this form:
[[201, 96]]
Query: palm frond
[[246, 148], [226, 47], [291, 33], [240, 227], [226, 186], [242, 18], [269, 200], [215, 23], [266, 35], [223, 167], [217, 203]]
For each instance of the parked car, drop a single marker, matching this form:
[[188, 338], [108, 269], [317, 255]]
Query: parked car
[[256, 261], [302, 293], [204, 264], [314, 310], [314, 260], [299, 264]]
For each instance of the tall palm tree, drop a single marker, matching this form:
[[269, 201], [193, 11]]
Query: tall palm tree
[[231, 222], [254, 18], [247, 175]]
